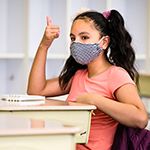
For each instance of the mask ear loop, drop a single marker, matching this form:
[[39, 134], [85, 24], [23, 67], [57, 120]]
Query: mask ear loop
[[101, 39]]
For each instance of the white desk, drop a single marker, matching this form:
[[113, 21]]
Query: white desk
[[17, 137], [67, 113]]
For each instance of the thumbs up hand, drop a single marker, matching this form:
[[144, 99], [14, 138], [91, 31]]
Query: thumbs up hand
[[51, 32]]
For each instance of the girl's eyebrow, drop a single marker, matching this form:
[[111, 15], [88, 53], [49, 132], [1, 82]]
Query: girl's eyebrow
[[83, 33], [71, 34], [80, 33]]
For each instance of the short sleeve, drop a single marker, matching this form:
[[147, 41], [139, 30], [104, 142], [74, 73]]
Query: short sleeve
[[117, 78]]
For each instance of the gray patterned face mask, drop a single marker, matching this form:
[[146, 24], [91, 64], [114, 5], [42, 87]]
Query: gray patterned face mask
[[85, 53]]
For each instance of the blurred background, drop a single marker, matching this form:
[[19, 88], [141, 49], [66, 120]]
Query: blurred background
[[22, 24]]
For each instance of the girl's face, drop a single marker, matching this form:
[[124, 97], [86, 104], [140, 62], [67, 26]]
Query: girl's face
[[84, 32]]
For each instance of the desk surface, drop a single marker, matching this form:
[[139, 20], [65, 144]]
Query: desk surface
[[48, 104]]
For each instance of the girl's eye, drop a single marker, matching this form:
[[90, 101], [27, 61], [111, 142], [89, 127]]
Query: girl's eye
[[85, 38], [72, 39]]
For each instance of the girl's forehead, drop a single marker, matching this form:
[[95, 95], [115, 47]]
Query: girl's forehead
[[80, 24]]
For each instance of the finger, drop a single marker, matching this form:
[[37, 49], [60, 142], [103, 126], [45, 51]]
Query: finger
[[56, 35], [54, 27], [54, 30], [49, 22]]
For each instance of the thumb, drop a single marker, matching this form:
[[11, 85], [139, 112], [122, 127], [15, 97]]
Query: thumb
[[49, 22]]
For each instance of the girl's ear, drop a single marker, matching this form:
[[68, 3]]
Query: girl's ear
[[105, 42]]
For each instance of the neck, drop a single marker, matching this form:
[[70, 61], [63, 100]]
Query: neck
[[98, 66]]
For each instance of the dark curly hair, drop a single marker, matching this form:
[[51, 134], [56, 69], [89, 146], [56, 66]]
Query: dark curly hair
[[120, 50]]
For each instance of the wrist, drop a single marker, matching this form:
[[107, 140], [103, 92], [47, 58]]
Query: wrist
[[94, 99], [44, 46], [45, 43]]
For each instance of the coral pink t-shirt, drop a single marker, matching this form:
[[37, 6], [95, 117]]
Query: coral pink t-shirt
[[103, 127]]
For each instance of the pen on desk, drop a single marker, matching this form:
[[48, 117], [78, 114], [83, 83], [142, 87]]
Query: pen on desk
[[93, 113]]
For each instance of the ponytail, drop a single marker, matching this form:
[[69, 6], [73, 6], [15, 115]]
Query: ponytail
[[121, 51]]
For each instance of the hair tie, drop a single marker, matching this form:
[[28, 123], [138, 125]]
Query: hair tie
[[106, 14]]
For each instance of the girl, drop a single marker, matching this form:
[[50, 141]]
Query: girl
[[100, 71]]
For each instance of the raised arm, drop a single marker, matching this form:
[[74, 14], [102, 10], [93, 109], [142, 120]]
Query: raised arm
[[37, 83]]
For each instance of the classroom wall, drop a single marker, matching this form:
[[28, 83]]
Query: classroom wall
[[23, 23]]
